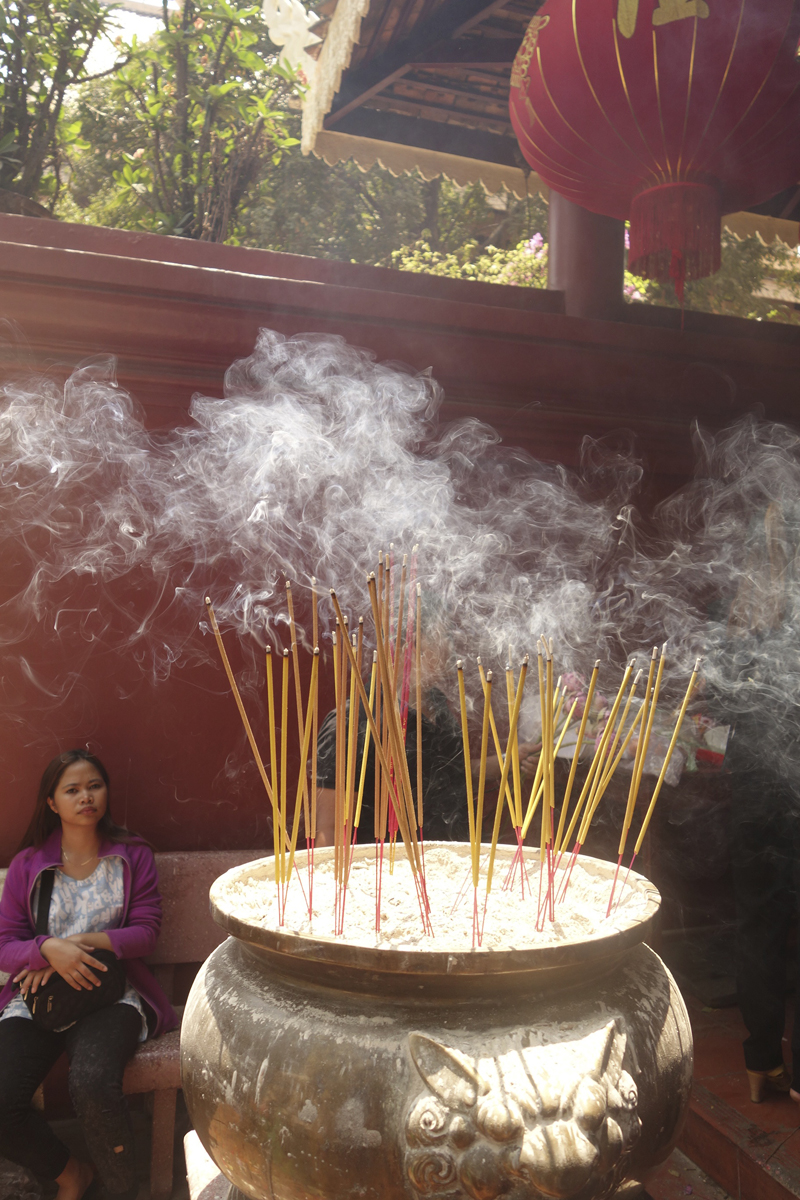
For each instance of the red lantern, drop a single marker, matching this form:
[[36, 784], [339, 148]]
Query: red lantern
[[670, 112]]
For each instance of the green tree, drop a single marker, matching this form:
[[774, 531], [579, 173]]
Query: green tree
[[44, 47], [342, 212], [523, 265], [193, 122]]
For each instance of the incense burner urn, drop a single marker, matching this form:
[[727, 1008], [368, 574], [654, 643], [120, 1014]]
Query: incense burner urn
[[315, 1069]]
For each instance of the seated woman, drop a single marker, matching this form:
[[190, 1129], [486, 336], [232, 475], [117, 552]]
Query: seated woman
[[104, 897]]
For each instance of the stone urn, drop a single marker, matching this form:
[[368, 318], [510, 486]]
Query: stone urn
[[314, 1069]]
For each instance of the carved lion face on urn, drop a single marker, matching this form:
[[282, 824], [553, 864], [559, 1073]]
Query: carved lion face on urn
[[544, 1120]]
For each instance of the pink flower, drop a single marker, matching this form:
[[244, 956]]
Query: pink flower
[[536, 245]]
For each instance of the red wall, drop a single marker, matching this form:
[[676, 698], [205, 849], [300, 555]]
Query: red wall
[[177, 314]]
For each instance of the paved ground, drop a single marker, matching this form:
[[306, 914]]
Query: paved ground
[[679, 1177]]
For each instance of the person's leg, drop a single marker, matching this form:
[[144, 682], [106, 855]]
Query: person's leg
[[762, 873], [796, 1006], [26, 1055], [98, 1047]]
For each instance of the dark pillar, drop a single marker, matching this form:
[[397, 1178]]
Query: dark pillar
[[587, 260]]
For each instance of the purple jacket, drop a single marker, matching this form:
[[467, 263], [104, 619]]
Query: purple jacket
[[135, 938]]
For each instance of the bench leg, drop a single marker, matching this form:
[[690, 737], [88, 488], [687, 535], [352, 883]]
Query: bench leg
[[163, 1143]]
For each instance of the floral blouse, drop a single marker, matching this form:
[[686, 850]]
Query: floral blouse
[[90, 905]]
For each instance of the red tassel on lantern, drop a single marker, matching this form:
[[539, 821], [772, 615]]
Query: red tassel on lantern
[[675, 233]]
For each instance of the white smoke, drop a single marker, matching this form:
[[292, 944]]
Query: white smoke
[[316, 459]]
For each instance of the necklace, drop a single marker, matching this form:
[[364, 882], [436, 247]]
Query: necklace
[[67, 859]]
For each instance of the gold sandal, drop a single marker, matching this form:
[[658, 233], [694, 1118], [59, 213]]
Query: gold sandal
[[761, 1082]]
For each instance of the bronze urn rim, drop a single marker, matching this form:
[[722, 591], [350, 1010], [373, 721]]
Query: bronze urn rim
[[337, 961]]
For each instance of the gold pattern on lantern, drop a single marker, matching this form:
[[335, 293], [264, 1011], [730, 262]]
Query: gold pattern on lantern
[[525, 52], [627, 12], [679, 10], [666, 12]]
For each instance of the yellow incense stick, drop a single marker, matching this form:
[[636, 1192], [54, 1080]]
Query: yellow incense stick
[[535, 801], [273, 745], [496, 740], [341, 750], [549, 773], [418, 656], [315, 730], [597, 761], [665, 764], [284, 773], [462, 698], [352, 743], [576, 754], [540, 652], [303, 759], [648, 730], [412, 849], [335, 643], [398, 674], [239, 703], [365, 755], [603, 777], [297, 689], [512, 733], [609, 772], [634, 787], [600, 755], [515, 771], [476, 849]]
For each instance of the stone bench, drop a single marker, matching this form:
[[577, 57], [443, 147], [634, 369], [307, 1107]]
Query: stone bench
[[188, 935]]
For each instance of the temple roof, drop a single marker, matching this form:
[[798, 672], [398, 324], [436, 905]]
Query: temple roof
[[422, 85], [419, 84]]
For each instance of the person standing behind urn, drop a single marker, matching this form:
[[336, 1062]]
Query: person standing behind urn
[[81, 889]]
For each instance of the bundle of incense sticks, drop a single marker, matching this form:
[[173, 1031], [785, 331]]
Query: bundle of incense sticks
[[372, 719], [277, 786], [396, 618], [611, 745]]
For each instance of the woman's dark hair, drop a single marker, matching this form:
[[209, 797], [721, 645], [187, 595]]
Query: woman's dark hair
[[44, 820]]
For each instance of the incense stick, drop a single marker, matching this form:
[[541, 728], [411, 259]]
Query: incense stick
[[665, 765], [576, 754], [409, 847], [239, 703], [307, 728], [418, 657], [512, 733]]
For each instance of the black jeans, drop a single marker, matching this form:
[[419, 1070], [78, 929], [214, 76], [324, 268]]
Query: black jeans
[[98, 1047], [765, 854]]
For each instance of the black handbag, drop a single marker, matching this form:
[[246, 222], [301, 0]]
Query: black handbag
[[56, 1004]]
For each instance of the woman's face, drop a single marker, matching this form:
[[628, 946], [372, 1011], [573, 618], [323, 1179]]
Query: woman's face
[[80, 797]]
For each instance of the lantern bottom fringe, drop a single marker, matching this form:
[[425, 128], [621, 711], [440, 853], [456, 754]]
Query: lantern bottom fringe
[[675, 233]]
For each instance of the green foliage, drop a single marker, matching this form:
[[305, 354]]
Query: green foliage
[[190, 127], [343, 212], [525, 265], [44, 45], [756, 281]]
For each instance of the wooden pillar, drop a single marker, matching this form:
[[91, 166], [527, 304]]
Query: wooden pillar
[[587, 260]]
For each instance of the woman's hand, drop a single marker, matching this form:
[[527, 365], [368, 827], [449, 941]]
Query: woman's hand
[[73, 961], [529, 758], [33, 980], [91, 941]]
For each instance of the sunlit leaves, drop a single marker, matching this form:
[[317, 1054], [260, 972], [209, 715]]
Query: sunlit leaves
[[44, 47], [198, 100]]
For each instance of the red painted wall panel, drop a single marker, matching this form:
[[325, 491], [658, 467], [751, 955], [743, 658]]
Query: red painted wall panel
[[180, 768]]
